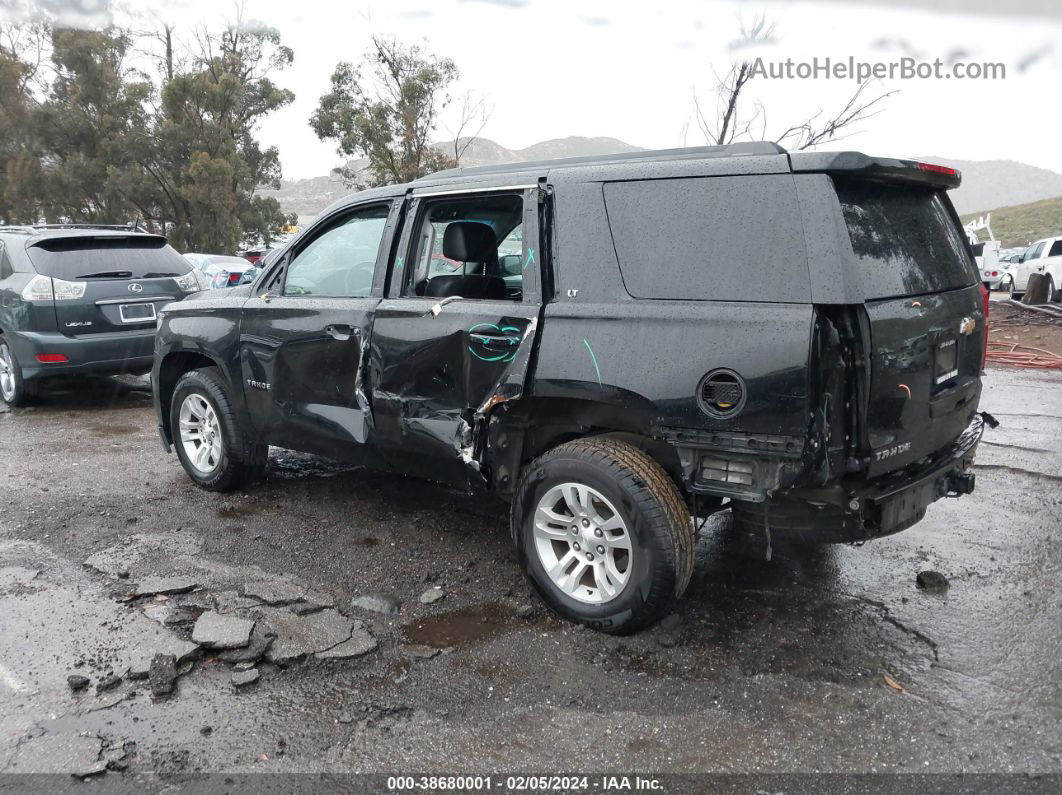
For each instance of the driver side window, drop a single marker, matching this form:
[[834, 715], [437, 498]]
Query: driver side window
[[339, 262]]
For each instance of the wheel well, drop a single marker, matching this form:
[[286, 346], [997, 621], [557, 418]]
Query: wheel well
[[172, 368], [539, 425]]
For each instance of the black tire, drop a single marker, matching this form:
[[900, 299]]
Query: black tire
[[655, 515], [1014, 296], [242, 461], [23, 392], [1052, 293]]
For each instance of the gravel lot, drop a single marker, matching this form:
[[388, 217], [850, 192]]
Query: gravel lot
[[821, 659]]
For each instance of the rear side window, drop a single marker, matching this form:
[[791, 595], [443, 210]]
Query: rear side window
[[710, 238], [905, 239], [1056, 249], [105, 258]]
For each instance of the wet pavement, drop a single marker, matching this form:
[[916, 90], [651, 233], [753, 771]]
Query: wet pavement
[[821, 659]]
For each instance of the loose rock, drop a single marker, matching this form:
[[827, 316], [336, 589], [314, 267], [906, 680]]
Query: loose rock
[[387, 604], [932, 581], [163, 675], [169, 616], [108, 682], [244, 678], [524, 611], [77, 682], [217, 631], [432, 595]]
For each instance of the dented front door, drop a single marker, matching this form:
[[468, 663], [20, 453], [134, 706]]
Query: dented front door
[[439, 368]]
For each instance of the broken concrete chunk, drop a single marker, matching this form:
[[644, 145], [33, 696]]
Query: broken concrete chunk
[[419, 651], [108, 682], [170, 616], [274, 592], [162, 675], [319, 598], [141, 657], [932, 581], [298, 636], [164, 585], [217, 631], [387, 604], [77, 682], [76, 754], [244, 678], [17, 575], [361, 642], [260, 642], [432, 595]]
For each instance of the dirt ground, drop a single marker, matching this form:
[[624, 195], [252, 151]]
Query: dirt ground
[[821, 659], [1026, 327]]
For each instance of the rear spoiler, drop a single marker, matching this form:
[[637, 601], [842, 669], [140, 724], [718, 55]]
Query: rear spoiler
[[884, 169], [59, 242]]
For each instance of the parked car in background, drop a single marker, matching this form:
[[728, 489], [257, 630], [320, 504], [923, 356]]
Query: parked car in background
[[680, 358], [252, 255], [81, 299], [219, 270], [986, 255], [1043, 256]]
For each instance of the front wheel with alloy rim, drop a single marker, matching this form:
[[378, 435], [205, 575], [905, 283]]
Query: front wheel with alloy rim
[[1013, 294], [13, 389], [211, 444], [603, 534]]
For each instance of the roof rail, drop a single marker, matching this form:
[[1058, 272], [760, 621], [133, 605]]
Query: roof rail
[[132, 226], [685, 153]]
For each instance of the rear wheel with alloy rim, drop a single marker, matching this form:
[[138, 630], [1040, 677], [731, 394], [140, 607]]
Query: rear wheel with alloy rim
[[603, 534], [13, 389], [215, 450]]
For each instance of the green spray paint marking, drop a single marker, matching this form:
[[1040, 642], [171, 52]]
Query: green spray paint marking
[[594, 360], [398, 264], [506, 356], [530, 257]]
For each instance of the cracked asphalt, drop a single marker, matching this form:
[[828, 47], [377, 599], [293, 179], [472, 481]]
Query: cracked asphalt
[[821, 659]]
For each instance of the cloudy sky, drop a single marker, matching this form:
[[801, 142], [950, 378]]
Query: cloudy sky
[[629, 70]]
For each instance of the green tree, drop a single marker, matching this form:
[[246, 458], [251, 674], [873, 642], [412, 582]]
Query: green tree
[[88, 126], [21, 54], [205, 162], [387, 115]]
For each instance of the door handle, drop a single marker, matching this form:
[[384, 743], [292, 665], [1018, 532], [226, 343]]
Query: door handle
[[506, 338], [341, 332]]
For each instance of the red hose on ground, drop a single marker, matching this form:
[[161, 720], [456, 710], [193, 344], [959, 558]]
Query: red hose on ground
[[1013, 354]]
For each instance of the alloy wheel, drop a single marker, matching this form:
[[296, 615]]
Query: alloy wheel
[[7, 373], [583, 543], [200, 433]]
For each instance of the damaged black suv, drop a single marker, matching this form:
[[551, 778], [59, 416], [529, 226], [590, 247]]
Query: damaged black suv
[[615, 345]]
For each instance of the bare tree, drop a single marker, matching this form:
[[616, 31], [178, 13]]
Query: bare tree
[[475, 113], [736, 118]]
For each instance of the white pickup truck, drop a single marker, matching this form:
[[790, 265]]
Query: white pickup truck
[[1043, 256]]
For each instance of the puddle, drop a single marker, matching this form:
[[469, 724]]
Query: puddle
[[105, 429], [460, 627]]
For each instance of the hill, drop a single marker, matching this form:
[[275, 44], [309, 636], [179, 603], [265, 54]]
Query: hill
[[307, 197], [998, 183], [1023, 223], [986, 183]]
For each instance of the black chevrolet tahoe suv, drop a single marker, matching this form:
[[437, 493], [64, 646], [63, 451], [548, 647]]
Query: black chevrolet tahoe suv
[[616, 345], [81, 299]]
